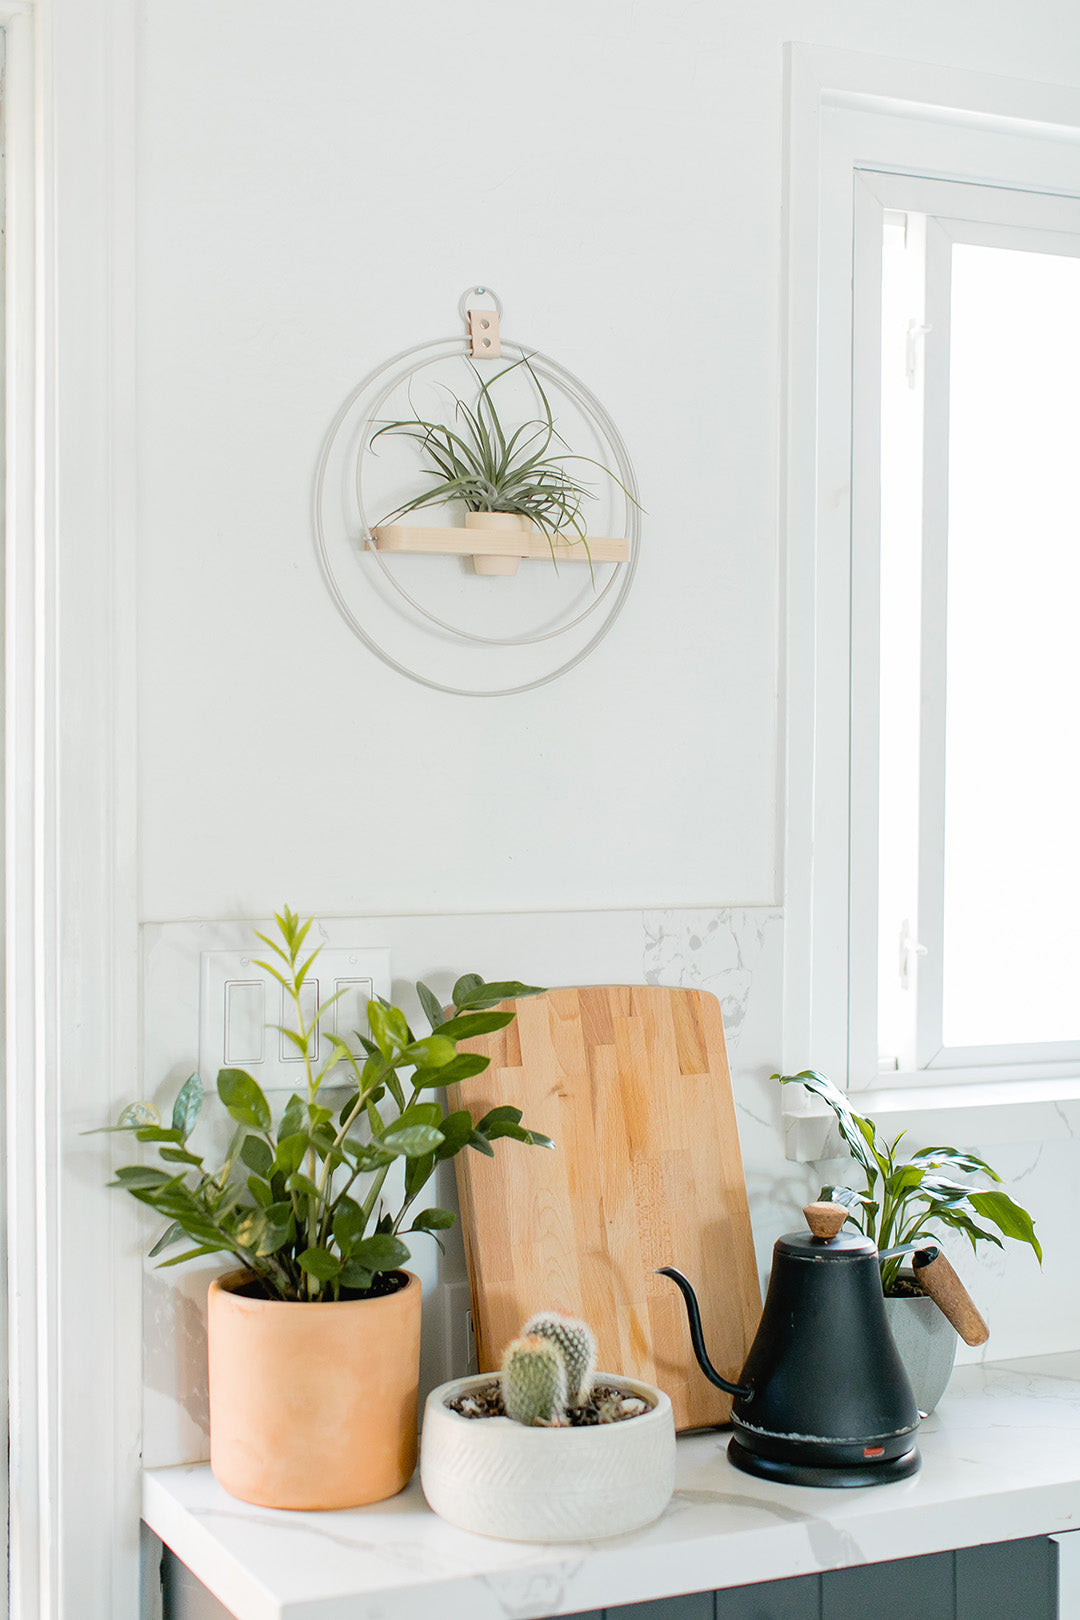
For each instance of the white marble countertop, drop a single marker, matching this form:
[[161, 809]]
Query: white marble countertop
[[1001, 1459]]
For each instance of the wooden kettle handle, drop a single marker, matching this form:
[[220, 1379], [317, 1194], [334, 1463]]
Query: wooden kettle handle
[[937, 1278]]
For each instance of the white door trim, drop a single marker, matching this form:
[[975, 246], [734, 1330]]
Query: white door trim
[[70, 906]]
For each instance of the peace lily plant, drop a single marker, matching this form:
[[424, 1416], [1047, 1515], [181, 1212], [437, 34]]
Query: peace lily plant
[[904, 1199], [301, 1205]]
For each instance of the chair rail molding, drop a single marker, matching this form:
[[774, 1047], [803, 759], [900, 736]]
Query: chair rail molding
[[70, 916]]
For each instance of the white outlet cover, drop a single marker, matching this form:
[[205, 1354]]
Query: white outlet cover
[[240, 1003]]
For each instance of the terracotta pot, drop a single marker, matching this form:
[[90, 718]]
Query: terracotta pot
[[312, 1406]]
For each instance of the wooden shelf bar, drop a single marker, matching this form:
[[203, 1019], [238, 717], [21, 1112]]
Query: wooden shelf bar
[[462, 542]]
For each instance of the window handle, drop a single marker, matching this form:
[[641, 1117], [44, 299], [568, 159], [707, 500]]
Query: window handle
[[915, 336], [910, 951]]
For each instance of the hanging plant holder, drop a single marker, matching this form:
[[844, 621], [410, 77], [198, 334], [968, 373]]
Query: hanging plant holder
[[498, 542]]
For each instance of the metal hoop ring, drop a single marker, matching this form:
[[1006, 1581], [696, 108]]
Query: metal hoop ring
[[484, 292], [592, 406]]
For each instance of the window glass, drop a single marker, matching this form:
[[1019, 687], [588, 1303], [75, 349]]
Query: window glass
[[1011, 946]]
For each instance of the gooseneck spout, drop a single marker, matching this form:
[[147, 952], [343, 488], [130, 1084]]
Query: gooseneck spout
[[743, 1391]]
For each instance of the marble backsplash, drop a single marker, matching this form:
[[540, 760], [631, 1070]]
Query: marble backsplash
[[736, 954]]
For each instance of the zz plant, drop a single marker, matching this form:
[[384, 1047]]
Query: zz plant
[[303, 1204], [904, 1199]]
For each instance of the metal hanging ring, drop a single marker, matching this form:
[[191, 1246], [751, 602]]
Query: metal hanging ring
[[484, 292]]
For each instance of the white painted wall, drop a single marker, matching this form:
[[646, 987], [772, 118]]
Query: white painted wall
[[317, 185]]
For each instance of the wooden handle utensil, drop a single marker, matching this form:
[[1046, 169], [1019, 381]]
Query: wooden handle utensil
[[937, 1278]]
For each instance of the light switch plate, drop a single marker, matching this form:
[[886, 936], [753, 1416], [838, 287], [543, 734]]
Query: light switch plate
[[240, 1003]]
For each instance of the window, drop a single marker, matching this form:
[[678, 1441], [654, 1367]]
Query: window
[[932, 865], [967, 342]]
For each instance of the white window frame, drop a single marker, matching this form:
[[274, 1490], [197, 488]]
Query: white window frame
[[849, 115], [955, 213]]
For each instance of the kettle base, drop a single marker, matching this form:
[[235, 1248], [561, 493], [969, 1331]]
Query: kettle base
[[848, 1475]]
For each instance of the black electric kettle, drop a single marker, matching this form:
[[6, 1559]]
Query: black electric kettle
[[823, 1398]]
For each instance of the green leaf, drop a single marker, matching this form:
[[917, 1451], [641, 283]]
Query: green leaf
[[292, 1119], [421, 1113], [466, 985], [469, 1025], [463, 1067], [389, 1028], [167, 1238], [354, 1275], [967, 1163], [193, 1254], [538, 1139], [393, 1086], [851, 1200], [434, 1220], [141, 1178], [257, 1155], [487, 995], [178, 1155], [157, 1133], [299, 1183], [430, 1002], [319, 1263], [260, 1191], [481, 1144], [243, 1098], [381, 1253], [302, 1043], [850, 1125], [418, 1173], [503, 1115], [291, 1151], [456, 1129], [1009, 1218], [186, 1107], [904, 1180], [433, 1052], [348, 1225], [412, 1141]]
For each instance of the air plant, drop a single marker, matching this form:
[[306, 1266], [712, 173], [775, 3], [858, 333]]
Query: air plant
[[491, 468]]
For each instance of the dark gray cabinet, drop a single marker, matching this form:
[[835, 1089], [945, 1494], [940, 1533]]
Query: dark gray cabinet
[[1008, 1580]]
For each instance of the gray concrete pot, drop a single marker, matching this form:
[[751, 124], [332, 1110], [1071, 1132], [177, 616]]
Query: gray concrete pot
[[926, 1341]]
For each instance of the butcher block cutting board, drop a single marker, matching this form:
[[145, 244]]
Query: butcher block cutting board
[[632, 1085]]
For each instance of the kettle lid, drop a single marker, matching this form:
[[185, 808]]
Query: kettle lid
[[825, 1239]]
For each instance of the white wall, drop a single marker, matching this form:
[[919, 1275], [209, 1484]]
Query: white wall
[[317, 186]]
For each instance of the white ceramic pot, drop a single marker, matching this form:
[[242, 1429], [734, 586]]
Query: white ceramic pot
[[926, 1341], [501, 523], [499, 1478]]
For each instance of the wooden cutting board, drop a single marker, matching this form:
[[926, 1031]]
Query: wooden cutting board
[[632, 1084]]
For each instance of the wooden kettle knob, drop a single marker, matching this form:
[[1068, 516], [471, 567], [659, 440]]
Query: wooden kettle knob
[[825, 1220]]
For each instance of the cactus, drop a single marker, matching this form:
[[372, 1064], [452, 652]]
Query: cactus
[[577, 1342], [534, 1382]]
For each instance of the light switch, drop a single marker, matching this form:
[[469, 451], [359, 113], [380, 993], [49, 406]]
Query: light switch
[[245, 1022], [239, 1001]]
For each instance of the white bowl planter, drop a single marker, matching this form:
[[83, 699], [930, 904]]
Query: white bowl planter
[[499, 1478], [927, 1342]]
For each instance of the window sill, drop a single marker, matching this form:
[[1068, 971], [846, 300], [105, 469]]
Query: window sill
[[979, 1114]]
